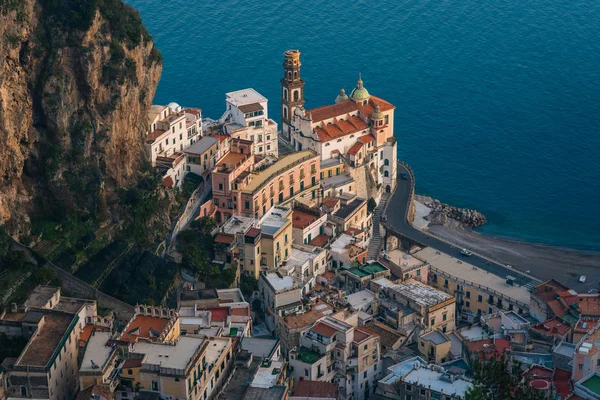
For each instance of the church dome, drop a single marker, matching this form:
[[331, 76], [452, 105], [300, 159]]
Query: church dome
[[359, 92], [174, 106], [341, 97], [377, 114]]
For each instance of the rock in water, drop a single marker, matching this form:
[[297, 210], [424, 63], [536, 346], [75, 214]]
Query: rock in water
[[441, 212], [77, 79]]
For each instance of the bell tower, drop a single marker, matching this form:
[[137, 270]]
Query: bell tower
[[292, 90]]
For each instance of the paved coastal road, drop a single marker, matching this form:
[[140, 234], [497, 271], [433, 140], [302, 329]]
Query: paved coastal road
[[396, 219]]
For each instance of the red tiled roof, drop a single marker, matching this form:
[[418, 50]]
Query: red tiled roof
[[589, 304], [241, 311], [316, 389], [369, 108], [218, 314], [557, 307], [220, 137], [323, 329], [253, 232], [366, 138], [353, 231], [355, 148], [330, 111], [133, 363], [141, 326], [360, 335], [152, 136], [224, 238], [337, 129], [331, 201]]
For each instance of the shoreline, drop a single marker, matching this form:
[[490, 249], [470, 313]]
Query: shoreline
[[543, 261]]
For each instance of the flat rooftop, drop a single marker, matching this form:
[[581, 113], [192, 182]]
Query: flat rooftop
[[96, 351], [279, 282], [420, 293], [273, 393], [176, 356], [310, 317], [397, 371], [40, 296], [244, 96], [360, 300], [259, 347], [307, 355], [275, 219], [474, 333], [336, 181], [303, 219], [433, 380], [331, 162], [468, 272], [592, 383], [435, 337], [201, 146], [237, 224], [267, 374], [280, 166], [215, 349], [404, 260], [42, 345], [349, 208], [71, 305], [298, 259], [230, 295]]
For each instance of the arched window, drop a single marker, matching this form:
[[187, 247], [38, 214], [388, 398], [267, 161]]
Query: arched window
[[295, 74], [289, 75], [386, 162], [285, 93], [295, 95], [285, 113], [386, 174]]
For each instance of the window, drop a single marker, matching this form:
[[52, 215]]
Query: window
[[468, 304], [129, 372], [365, 374], [408, 388], [366, 346], [305, 372], [154, 385], [580, 367], [247, 205], [432, 321], [220, 186], [418, 272], [468, 294], [446, 283], [422, 391], [444, 317], [381, 154], [23, 391], [479, 298]]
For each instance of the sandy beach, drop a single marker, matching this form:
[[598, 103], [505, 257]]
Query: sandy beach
[[544, 262]]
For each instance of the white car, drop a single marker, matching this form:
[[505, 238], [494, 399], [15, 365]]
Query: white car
[[582, 278]]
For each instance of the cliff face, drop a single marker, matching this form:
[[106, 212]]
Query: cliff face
[[76, 79]]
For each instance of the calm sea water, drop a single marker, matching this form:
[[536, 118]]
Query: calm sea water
[[497, 101]]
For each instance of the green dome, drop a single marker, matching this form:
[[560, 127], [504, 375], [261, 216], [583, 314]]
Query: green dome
[[359, 92], [341, 97]]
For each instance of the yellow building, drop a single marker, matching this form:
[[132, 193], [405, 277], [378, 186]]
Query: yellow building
[[353, 215], [188, 368], [435, 346], [130, 372], [98, 365]]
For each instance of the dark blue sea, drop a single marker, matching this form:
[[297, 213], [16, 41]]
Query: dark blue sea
[[497, 101]]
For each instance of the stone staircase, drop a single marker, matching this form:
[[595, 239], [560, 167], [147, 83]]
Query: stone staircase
[[376, 240]]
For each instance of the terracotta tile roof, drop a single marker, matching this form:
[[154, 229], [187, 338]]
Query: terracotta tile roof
[[152, 136], [301, 219], [353, 231], [328, 275], [218, 314], [144, 326], [370, 106], [241, 311], [224, 238], [339, 128], [389, 337], [192, 110], [221, 137], [253, 232], [355, 148], [557, 307], [320, 240], [246, 108], [133, 363], [316, 389], [361, 335], [366, 138], [330, 111], [547, 290], [323, 329], [589, 305]]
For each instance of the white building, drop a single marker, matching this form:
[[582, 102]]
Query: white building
[[247, 118]]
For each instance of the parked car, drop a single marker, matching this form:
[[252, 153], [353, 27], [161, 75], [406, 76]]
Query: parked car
[[466, 252], [582, 278]]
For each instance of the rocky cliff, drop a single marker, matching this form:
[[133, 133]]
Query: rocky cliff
[[76, 79]]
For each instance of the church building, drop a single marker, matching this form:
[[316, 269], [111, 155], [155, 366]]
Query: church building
[[357, 129]]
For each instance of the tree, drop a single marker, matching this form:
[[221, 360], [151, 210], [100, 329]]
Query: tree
[[493, 381], [371, 204], [248, 285]]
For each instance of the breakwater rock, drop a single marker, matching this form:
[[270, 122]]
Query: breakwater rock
[[442, 212]]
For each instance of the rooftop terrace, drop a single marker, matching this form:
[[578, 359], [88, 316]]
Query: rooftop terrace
[[420, 293], [307, 355], [97, 352], [176, 356]]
